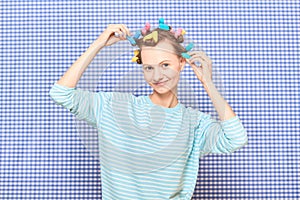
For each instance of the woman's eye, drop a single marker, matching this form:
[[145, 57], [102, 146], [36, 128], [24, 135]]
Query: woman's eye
[[148, 68], [165, 65]]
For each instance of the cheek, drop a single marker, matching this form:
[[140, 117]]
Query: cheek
[[172, 74], [147, 77]]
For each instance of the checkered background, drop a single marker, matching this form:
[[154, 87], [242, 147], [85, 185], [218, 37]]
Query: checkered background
[[45, 153]]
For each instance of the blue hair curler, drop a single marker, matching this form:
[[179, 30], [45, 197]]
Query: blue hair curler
[[162, 25]]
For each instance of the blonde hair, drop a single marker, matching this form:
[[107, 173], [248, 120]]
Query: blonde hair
[[163, 35]]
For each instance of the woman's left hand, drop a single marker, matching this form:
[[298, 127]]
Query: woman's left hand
[[202, 66]]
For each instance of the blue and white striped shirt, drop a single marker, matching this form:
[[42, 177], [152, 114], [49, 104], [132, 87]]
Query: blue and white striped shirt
[[148, 151]]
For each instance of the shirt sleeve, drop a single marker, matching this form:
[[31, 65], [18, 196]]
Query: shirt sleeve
[[220, 137], [85, 105]]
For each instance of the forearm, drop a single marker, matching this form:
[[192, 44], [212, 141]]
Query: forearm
[[223, 109], [74, 73]]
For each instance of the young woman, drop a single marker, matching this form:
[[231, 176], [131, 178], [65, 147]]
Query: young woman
[[150, 145]]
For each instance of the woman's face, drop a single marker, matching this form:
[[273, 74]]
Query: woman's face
[[161, 67]]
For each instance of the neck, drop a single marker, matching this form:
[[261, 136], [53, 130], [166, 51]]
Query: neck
[[167, 100]]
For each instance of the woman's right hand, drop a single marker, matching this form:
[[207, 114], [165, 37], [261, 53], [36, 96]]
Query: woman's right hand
[[108, 35]]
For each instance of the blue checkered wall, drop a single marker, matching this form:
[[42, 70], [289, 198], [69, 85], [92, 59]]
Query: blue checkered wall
[[255, 46]]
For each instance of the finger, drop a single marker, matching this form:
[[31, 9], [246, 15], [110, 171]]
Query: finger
[[198, 71], [202, 60], [194, 63], [197, 56], [118, 30], [126, 30], [200, 54], [202, 64], [197, 61], [118, 33], [197, 53], [196, 67], [189, 62]]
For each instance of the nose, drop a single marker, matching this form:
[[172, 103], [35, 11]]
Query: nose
[[157, 75]]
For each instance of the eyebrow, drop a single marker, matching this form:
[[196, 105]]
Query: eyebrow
[[159, 63], [165, 61]]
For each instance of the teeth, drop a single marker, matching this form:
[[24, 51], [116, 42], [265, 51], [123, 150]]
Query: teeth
[[160, 82]]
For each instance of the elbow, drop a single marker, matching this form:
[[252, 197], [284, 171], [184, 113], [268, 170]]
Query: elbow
[[244, 139], [52, 93], [236, 141], [231, 137], [60, 94], [239, 142]]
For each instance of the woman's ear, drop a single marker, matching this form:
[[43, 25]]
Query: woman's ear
[[182, 63]]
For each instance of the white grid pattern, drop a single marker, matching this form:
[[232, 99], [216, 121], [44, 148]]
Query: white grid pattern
[[255, 47]]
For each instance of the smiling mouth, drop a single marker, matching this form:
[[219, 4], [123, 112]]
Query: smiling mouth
[[160, 83]]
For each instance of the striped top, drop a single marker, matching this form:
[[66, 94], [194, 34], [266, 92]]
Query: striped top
[[148, 151]]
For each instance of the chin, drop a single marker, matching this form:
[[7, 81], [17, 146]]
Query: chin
[[162, 90]]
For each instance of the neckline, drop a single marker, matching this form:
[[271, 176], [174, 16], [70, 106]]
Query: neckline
[[178, 105]]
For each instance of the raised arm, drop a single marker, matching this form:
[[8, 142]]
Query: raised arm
[[107, 38], [204, 74], [213, 136], [85, 105]]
